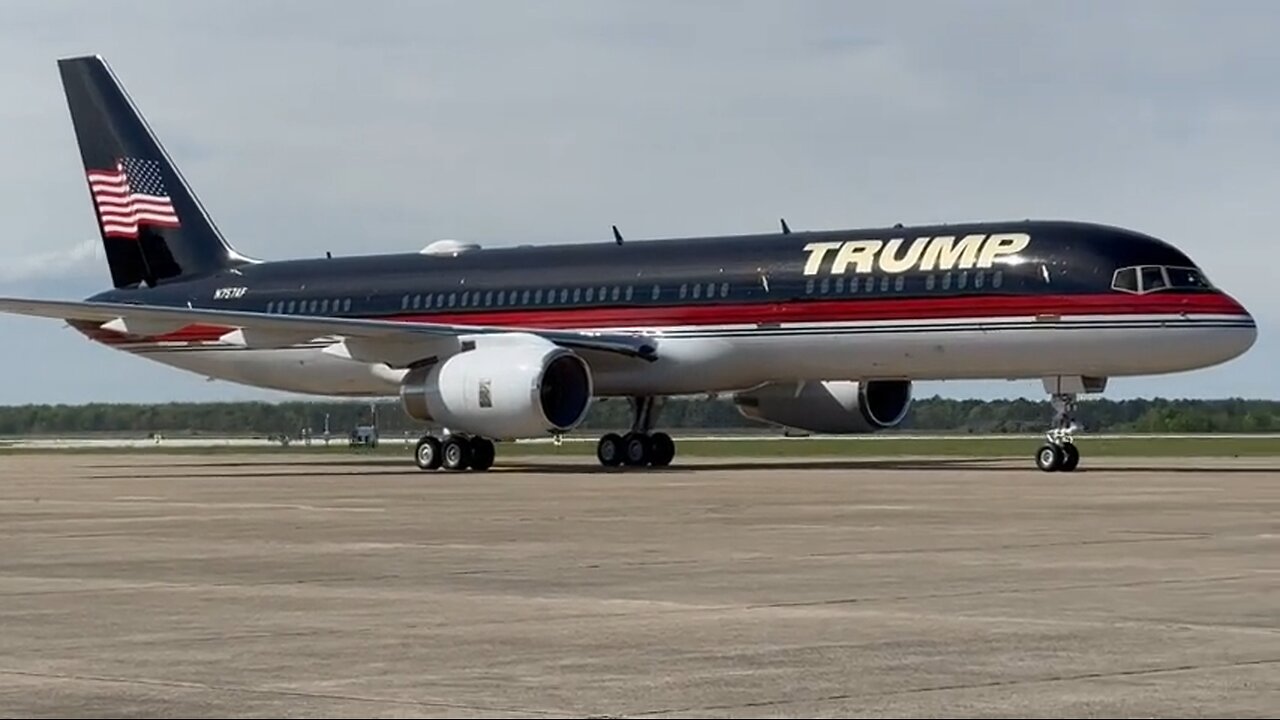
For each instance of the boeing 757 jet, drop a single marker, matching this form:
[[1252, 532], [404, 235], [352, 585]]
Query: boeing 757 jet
[[822, 331]]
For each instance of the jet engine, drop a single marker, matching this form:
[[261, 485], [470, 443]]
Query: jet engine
[[502, 389], [829, 406]]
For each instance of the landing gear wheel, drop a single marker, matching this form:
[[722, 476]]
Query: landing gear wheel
[[482, 453], [1070, 457], [1049, 458], [662, 449], [457, 453], [427, 454], [609, 450], [635, 449]]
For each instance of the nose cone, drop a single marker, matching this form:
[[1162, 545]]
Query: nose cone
[[1243, 330]]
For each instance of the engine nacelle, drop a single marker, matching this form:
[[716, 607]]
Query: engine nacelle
[[829, 406], [503, 388]]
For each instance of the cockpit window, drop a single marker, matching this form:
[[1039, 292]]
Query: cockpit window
[[1186, 278], [1126, 280], [1152, 278]]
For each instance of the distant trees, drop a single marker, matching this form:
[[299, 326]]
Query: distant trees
[[933, 414]]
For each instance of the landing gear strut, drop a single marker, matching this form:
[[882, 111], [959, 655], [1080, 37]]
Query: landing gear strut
[[641, 446], [454, 452], [1059, 451]]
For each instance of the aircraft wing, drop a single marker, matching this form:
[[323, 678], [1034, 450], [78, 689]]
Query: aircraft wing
[[396, 343]]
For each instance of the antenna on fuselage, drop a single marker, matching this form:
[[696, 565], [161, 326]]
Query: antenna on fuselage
[[617, 236], [785, 230]]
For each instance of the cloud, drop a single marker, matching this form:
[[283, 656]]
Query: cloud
[[53, 264]]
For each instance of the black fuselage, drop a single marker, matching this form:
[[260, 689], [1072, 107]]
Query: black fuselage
[[560, 281]]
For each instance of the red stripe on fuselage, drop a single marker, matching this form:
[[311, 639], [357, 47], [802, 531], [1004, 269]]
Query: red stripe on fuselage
[[798, 311]]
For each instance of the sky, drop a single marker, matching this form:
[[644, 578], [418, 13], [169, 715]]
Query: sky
[[319, 126]]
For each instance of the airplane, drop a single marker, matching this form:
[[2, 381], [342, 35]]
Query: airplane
[[817, 331]]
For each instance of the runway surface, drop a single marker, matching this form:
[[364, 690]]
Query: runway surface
[[166, 585]]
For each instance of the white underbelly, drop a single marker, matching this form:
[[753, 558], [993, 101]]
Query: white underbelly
[[695, 360]]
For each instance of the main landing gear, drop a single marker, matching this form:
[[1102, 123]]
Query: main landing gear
[[641, 446], [1060, 451], [454, 452]]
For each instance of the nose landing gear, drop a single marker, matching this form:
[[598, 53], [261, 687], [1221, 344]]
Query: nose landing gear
[[1059, 453]]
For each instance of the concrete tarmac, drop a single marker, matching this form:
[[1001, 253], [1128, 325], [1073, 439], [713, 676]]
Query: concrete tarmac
[[294, 585]]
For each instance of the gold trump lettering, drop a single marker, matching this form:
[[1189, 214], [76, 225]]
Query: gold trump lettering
[[927, 254]]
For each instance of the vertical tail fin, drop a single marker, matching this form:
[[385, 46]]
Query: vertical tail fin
[[153, 227]]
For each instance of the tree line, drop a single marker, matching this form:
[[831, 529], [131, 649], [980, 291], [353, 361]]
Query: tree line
[[931, 414]]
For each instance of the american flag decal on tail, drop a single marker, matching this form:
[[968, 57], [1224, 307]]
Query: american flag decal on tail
[[131, 195]]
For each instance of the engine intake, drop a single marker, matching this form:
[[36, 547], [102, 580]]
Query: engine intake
[[502, 389], [829, 406]]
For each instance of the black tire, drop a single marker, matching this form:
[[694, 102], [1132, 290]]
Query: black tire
[[635, 449], [609, 450], [482, 453], [662, 450], [1049, 458], [1070, 457], [427, 454], [456, 454]]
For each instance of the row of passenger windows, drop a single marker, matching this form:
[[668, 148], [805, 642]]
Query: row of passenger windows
[[1150, 278], [309, 307], [945, 281], [561, 296], [839, 285]]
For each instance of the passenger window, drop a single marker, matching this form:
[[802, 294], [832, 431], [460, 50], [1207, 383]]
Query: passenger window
[[324, 306], [1153, 279], [564, 295], [997, 279], [840, 285], [630, 293], [824, 287], [466, 295], [899, 283], [453, 299], [946, 281], [724, 290], [929, 282], [292, 304], [697, 290], [884, 283], [656, 291], [577, 294], [346, 305], [426, 300], [617, 293], [684, 291], [978, 278], [537, 297], [1125, 280], [591, 294], [808, 287], [963, 281]]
